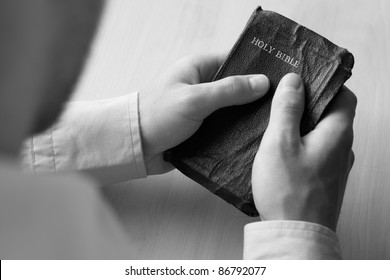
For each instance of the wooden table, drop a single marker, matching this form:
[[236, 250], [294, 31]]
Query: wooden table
[[170, 216]]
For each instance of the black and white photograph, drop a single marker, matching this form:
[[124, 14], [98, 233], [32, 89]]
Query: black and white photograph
[[194, 130]]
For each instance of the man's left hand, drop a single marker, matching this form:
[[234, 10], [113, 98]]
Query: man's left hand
[[173, 107]]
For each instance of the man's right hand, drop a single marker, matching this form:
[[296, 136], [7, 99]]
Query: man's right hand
[[304, 178]]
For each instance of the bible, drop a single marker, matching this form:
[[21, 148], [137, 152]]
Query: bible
[[219, 156]]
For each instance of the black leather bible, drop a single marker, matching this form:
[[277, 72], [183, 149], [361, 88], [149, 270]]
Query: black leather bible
[[219, 156]]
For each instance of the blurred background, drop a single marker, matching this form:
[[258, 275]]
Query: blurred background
[[172, 217]]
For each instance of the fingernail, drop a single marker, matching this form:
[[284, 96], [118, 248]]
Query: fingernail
[[292, 80], [259, 83]]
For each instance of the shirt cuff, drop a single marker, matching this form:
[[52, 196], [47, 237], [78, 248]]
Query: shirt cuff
[[91, 135], [290, 240]]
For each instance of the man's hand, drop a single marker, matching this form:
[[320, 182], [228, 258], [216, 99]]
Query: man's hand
[[304, 178], [173, 108]]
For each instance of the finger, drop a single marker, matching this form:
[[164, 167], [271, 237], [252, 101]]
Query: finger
[[338, 117], [234, 90], [351, 159], [202, 67], [287, 107], [208, 65]]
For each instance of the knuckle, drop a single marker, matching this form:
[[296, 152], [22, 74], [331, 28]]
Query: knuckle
[[351, 98], [354, 99], [352, 158], [343, 136], [230, 84], [236, 84], [287, 103], [189, 60]]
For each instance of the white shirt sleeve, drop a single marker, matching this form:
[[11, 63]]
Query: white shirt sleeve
[[101, 137], [290, 240]]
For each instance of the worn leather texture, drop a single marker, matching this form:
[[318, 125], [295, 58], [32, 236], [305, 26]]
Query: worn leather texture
[[219, 156]]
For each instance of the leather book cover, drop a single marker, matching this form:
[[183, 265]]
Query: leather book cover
[[220, 155]]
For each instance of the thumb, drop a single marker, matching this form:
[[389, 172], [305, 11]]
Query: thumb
[[287, 106], [233, 90]]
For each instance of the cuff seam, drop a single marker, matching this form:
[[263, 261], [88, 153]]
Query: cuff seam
[[135, 135], [292, 226]]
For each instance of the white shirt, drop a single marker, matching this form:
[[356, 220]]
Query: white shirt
[[63, 215]]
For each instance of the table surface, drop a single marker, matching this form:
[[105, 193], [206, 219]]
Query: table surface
[[170, 216]]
